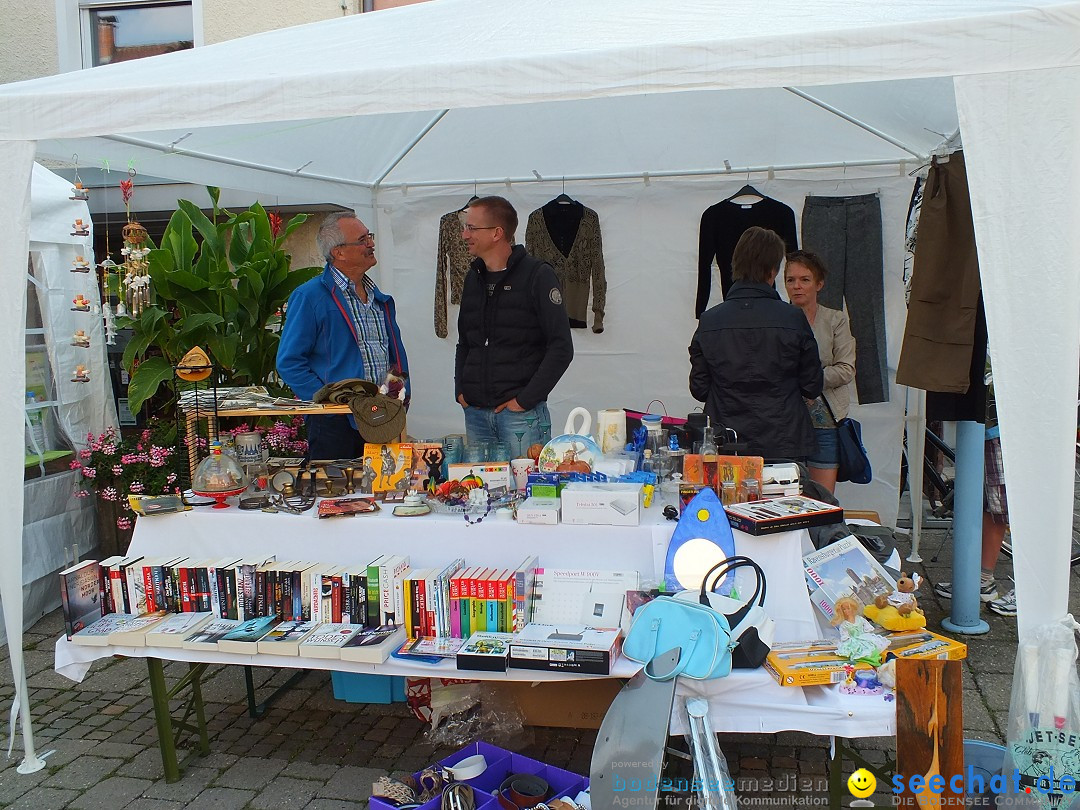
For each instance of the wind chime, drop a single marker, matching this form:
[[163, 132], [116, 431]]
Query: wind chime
[[135, 271], [109, 277]]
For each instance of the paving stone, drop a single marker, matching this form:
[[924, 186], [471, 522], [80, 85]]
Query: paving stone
[[116, 791], [44, 798], [351, 783], [332, 804], [82, 773], [285, 792], [145, 765], [193, 782], [154, 804], [309, 770], [250, 773], [221, 798]]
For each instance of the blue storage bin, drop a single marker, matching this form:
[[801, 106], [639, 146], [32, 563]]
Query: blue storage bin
[[355, 687]]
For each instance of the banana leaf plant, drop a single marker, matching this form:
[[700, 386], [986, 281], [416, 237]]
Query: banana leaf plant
[[216, 282]]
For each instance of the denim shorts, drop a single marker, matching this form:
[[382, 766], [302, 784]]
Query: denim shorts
[[827, 454]]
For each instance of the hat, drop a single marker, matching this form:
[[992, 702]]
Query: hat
[[379, 419]]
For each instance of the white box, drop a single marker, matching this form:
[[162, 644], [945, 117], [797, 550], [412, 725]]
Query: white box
[[608, 504], [542, 511], [494, 474]]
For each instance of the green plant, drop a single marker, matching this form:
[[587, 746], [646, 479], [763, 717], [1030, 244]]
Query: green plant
[[222, 291]]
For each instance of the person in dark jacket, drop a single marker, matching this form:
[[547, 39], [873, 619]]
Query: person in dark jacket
[[337, 326], [514, 339], [753, 359]]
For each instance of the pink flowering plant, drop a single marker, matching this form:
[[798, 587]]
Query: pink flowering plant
[[281, 438], [113, 466]]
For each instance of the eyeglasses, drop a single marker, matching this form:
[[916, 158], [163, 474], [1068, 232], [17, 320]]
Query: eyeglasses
[[366, 239], [471, 228]]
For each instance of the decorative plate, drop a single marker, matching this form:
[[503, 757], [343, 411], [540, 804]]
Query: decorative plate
[[569, 447]]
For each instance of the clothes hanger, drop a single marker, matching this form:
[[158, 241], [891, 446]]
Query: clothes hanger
[[746, 191], [472, 199], [564, 198]]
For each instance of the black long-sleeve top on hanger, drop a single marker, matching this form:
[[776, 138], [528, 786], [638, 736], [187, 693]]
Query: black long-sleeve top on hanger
[[722, 225]]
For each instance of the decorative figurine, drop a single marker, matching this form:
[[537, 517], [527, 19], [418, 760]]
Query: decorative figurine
[[82, 374], [79, 228], [80, 265], [899, 610], [861, 682], [79, 192], [858, 641], [80, 339], [81, 302]]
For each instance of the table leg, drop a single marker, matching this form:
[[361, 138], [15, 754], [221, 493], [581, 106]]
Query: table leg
[[257, 710], [837, 783], [171, 728]]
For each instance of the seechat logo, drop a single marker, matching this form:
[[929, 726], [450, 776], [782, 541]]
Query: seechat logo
[[861, 783]]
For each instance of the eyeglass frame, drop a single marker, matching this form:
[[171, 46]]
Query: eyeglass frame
[[367, 239], [474, 228]]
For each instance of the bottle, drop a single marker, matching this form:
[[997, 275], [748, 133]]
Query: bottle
[[35, 426], [647, 464], [708, 441], [728, 493], [751, 489]]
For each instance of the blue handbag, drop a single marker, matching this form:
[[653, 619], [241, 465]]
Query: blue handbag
[[701, 634], [854, 461]]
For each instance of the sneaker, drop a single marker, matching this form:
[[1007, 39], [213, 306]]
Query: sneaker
[[988, 592], [1006, 605]]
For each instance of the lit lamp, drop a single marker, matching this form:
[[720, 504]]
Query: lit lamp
[[701, 540]]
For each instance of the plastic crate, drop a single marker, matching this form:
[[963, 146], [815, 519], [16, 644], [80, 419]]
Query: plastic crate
[[355, 687]]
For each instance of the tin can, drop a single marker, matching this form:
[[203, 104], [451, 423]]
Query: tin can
[[249, 448]]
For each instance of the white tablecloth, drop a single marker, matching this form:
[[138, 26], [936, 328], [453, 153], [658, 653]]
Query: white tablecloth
[[743, 702]]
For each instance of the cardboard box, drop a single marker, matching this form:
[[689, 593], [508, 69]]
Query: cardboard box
[[811, 663], [565, 648], [610, 504], [544, 485], [485, 652], [782, 515], [542, 511], [935, 647], [494, 474], [562, 704]]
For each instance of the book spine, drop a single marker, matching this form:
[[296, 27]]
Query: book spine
[[137, 587], [500, 599], [260, 594], [229, 576], [215, 597], [104, 589], [116, 590], [159, 587], [455, 603], [298, 600], [65, 603], [185, 592], [372, 596], [386, 590], [421, 607], [335, 599], [204, 588], [361, 598], [407, 598], [284, 591], [346, 598]]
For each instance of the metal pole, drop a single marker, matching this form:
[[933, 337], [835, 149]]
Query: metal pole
[[916, 446], [852, 120], [967, 534]]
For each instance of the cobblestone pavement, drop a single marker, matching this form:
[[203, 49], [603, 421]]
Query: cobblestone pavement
[[314, 752]]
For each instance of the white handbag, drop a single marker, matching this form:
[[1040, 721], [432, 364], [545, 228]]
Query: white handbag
[[751, 627]]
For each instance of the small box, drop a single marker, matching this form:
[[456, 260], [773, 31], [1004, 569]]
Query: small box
[[927, 644], [810, 663], [544, 485], [494, 474], [782, 515], [542, 511], [356, 687], [565, 648], [485, 652], [609, 504]]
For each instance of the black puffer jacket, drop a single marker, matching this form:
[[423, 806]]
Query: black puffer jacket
[[752, 360], [516, 343]]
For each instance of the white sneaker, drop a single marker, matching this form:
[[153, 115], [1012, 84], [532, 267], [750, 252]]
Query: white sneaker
[[988, 591], [1006, 605]]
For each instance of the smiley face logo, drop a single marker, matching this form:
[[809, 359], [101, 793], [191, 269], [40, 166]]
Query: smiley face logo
[[861, 783]]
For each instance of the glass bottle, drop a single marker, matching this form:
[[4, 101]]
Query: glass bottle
[[728, 493], [708, 441], [647, 464], [751, 489]]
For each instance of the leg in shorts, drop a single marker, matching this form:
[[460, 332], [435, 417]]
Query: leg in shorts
[[995, 503], [827, 455]]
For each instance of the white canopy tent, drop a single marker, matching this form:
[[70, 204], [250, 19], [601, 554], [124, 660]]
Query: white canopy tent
[[373, 109]]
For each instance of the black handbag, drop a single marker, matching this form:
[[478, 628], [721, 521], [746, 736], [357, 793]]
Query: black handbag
[[854, 462]]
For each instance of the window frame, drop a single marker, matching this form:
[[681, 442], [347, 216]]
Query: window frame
[[74, 37]]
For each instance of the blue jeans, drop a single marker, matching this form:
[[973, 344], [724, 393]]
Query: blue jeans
[[518, 429], [332, 437], [827, 454]]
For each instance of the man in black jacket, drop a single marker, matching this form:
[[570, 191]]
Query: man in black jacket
[[754, 358], [514, 339]]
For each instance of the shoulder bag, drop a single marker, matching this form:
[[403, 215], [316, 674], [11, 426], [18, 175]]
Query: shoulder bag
[[701, 634], [752, 629], [854, 462]]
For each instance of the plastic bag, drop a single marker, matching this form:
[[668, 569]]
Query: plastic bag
[[464, 712], [1043, 736]]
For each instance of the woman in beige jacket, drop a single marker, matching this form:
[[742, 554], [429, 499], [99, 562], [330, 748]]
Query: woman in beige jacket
[[804, 277]]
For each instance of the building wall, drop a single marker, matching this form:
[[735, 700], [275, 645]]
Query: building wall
[[229, 19], [381, 4], [27, 21]]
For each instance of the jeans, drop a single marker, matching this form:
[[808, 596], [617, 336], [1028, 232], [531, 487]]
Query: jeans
[[518, 429], [827, 455], [332, 437]]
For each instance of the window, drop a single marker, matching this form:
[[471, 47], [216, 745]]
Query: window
[[121, 32]]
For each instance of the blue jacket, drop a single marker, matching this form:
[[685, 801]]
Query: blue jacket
[[319, 343]]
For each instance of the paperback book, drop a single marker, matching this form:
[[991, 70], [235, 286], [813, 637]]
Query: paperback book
[[118, 629], [80, 594], [431, 647], [372, 645], [286, 637], [845, 568], [327, 640], [245, 636], [175, 628], [208, 636]]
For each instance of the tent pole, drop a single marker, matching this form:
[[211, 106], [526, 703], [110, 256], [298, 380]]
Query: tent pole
[[412, 145], [170, 149], [855, 164], [916, 432], [852, 120]]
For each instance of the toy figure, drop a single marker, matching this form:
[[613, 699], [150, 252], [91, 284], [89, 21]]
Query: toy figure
[[858, 641], [80, 338], [393, 386], [81, 374], [81, 302], [433, 457], [899, 610]]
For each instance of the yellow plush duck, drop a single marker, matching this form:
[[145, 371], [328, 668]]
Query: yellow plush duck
[[899, 610]]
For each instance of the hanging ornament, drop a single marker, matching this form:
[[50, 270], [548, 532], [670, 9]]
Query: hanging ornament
[[110, 323], [82, 374], [80, 265], [81, 303], [135, 272], [78, 190], [80, 339], [80, 228]]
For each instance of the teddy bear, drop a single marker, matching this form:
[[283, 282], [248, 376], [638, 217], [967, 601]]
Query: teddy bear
[[899, 610]]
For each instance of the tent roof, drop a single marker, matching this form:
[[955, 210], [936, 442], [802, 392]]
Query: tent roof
[[271, 102]]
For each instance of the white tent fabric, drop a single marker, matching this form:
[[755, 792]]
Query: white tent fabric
[[459, 90]]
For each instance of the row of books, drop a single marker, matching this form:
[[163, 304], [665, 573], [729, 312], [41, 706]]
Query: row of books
[[451, 601], [205, 631], [456, 601]]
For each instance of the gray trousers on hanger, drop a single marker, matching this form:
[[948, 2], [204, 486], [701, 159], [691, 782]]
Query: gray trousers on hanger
[[846, 233]]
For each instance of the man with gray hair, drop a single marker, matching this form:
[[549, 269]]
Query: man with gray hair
[[339, 326]]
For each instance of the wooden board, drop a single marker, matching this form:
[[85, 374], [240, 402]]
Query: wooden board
[[929, 727]]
